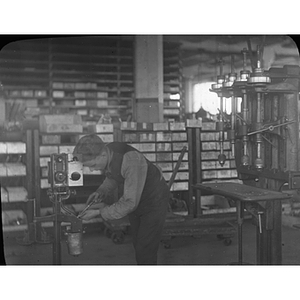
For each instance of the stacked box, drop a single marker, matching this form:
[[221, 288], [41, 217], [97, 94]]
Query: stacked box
[[3, 148], [16, 194], [179, 136], [104, 131], [40, 93], [101, 128], [66, 149], [130, 137], [129, 126], [48, 150], [15, 169], [44, 171], [177, 126], [69, 85], [163, 146], [4, 195], [146, 137], [163, 136], [13, 217], [16, 147], [57, 85], [44, 161], [144, 127], [160, 126], [102, 95], [102, 103], [50, 139], [45, 184], [196, 123], [60, 123], [80, 102], [58, 94]]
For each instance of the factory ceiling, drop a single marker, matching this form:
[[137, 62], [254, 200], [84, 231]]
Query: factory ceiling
[[201, 53]]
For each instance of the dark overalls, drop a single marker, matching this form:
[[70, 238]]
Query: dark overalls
[[147, 220]]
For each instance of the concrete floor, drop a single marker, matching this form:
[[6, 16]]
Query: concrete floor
[[202, 250]]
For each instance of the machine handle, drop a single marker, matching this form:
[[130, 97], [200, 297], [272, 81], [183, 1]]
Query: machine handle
[[259, 221]]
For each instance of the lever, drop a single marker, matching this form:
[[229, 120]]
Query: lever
[[271, 127]]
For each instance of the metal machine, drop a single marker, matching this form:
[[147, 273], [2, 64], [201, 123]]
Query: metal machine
[[64, 171], [264, 136]]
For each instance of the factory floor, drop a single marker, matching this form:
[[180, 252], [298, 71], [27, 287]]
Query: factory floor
[[192, 266], [197, 250]]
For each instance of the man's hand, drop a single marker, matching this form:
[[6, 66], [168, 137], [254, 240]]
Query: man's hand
[[93, 211], [90, 214], [95, 197]]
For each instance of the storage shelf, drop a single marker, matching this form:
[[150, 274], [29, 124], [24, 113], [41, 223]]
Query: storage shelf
[[106, 61], [93, 99], [91, 107]]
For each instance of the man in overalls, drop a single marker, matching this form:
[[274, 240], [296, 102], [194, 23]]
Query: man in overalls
[[145, 194]]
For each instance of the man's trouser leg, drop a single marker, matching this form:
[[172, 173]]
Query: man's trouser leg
[[146, 234]]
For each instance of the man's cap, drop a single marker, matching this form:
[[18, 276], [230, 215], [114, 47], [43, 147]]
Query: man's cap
[[90, 146]]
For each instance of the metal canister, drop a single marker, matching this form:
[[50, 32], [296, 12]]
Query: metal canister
[[74, 242]]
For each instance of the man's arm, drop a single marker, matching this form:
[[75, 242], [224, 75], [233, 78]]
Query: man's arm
[[103, 190], [134, 170], [107, 186]]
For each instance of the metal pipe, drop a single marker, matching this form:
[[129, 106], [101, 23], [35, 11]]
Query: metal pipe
[[221, 157], [258, 160], [233, 122], [57, 231], [240, 209], [245, 157]]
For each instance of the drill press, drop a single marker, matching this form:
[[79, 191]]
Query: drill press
[[267, 144]]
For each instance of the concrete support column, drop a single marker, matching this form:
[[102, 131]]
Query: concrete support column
[[2, 109], [148, 104]]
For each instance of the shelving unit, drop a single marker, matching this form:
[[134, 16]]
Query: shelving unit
[[89, 76], [174, 107], [17, 183], [95, 75], [161, 143]]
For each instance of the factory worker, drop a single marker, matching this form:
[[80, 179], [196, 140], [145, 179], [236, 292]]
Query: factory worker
[[145, 193]]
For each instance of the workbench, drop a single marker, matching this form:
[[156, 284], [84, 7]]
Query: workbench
[[265, 207]]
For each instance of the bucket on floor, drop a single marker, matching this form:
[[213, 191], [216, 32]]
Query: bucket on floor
[[74, 242]]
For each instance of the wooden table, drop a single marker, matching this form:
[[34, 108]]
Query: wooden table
[[265, 206]]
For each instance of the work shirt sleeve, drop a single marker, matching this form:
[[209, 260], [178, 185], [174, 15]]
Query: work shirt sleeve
[[107, 186], [134, 170]]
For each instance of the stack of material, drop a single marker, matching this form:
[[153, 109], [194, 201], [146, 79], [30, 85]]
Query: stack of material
[[60, 123]]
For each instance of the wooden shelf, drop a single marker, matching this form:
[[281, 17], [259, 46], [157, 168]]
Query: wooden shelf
[[107, 61]]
